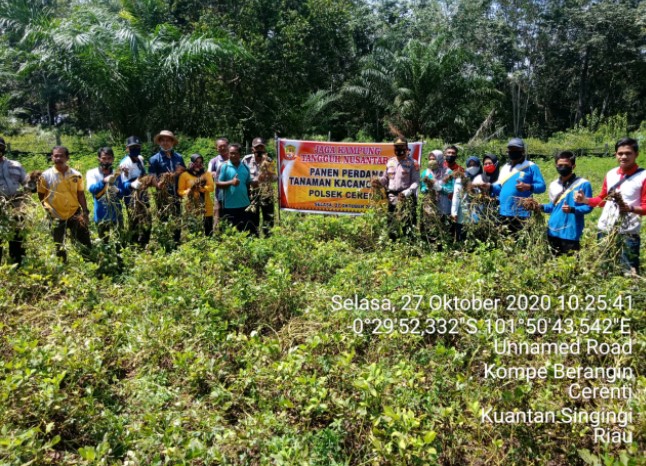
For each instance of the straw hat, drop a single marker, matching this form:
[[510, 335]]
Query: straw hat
[[165, 132]]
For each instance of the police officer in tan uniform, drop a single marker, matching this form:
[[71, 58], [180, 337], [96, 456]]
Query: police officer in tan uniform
[[401, 180]]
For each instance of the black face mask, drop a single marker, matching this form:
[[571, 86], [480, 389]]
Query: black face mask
[[400, 152], [451, 158], [259, 154], [134, 152], [106, 166], [515, 156], [564, 171]]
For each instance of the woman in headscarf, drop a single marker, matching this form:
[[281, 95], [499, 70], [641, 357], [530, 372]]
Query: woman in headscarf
[[196, 186], [462, 210], [490, 168]]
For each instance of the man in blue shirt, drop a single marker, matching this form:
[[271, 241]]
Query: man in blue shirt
[[234, 180], [519, 178], [167, 165], [565, 226], [105, 187]]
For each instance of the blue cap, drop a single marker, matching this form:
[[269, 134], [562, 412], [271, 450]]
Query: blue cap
[[516, 142]]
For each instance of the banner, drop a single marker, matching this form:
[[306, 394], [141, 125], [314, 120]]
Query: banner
[[331, 177]]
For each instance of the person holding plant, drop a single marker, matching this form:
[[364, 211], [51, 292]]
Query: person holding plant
[[60, 190], [134, 193], [166, 165], [105, 187], [235, 180], [567, 216], [196, 186], [401, 180], [263, 172], [461, 209], [623, 198], [519, 179], [13, 179]]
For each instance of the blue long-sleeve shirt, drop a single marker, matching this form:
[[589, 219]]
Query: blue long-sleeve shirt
[[107, 202], [562, 225], [505, 187]]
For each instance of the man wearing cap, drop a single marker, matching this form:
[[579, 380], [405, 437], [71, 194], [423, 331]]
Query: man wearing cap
[[222, 146], [401, 179], [60, 190], [519, 178], [134, 196], [105, 187], [12, 181], [262, 170], [164, 162]]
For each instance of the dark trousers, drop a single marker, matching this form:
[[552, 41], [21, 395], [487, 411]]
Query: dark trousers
[[16, 248], [208, 226], [79, 230], [170, 211], [239, 218], [139, 221], [408, 218], [267, 211], [513, 224], [560, 246], [630, 245]]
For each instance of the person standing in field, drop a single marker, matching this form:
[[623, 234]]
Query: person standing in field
[[234, 180], [60, 190], [451, 159], [222, 146], [105, 187], [401, 180], [461, 209], [135, 196], [263, 173], [166, 165], [518, 179], [196, 186], [623, 198], [12, 182], [567, 216]]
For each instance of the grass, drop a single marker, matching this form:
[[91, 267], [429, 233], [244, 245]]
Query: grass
[[229, 351]]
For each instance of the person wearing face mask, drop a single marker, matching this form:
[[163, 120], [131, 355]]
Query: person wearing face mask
[[105, 187], [565, 226], [134, 196], [263, 172], [167, 165], [518, 178], [490, 168], [461, 209], [13, 179], [451, 157], [197, 183], [401, 180]]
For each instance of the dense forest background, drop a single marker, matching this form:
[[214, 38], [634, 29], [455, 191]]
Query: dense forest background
[[359, 69]]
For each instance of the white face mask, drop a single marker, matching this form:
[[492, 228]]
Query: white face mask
[[473, 171]]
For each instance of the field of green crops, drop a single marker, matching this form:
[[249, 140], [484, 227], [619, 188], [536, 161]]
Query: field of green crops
[[233, 350]]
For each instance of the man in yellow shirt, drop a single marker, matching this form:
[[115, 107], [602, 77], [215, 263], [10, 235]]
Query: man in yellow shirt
[[60, 190]]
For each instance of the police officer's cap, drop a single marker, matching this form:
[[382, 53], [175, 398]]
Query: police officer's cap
[[400, 141], [258, 142]]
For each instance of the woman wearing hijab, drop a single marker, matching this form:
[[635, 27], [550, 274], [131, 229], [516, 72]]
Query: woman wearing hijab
[[490, 168], [462, 210], [196, 187]]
